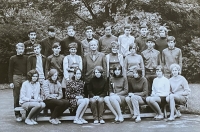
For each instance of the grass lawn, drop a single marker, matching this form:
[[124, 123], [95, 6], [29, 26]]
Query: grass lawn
[[193, 104]]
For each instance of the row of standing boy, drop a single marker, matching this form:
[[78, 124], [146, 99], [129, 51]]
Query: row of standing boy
[[91, 57]]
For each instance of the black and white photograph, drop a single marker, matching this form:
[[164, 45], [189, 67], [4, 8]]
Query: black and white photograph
[[99, 65]]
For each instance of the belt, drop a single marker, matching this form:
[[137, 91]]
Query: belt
[[150, 70], [20, 74]]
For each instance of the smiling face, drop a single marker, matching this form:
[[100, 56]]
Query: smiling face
[[175, 71], [114, 50], [34, 78], [143, 32], [97, 73], [72, 51]]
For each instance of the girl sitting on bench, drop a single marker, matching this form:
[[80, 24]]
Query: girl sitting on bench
[[30, 98], [118, 88], [52, 91], [74, 93], [179, 91]]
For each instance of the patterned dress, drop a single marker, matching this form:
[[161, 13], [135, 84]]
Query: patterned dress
[[73, 89]]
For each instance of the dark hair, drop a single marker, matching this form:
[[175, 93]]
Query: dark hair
[[51, 29], [36, 45], [115, 67], [159, 67], [51, 73], [31, 31], [139, 71], [55, 45], [127, 26], [75, 70], [133, 45], [100, 69], [31, 73], [89, 28]]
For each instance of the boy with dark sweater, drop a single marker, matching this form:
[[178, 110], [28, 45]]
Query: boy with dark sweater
[[161, 42], [105, 40], [85, 48], [70, 39], [55, 61], [29, 43], [47, 43], [142, 39], [17, 75], [171, 55]]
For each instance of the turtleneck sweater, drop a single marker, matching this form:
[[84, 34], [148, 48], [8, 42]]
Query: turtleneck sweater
[[138, 86]]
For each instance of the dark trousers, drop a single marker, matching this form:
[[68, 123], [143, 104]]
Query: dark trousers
[[97, 108], [17, 81], [57, 106], [85, 92], [150, 75]]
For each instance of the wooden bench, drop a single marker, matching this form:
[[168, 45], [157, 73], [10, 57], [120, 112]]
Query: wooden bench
[[166, 107], [88, 115]]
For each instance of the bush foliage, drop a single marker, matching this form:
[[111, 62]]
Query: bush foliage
[[179, 16]]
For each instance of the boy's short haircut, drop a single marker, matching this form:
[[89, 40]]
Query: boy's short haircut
[[151, 38], [143, 26], [73, 45], [36, 45], [107, 25], [31, 31], [163, 28], [51, 29], [171, 38], [89, 28], [127, 26], [114, 44], [70, 27], [93, 41], [19, 45], [55, 45], [159, 67]]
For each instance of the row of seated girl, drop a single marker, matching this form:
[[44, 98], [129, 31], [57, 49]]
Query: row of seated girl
[[132, 91]]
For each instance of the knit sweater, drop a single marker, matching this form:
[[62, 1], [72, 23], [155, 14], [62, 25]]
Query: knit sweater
[[161, 44], [47, 45], [55, 62], [97, 87], [17, 66], [160, 87], [118, 85], [138, 86], [49, 89], [28, 90], [105, 43], [141, 43], [179, 85], [65, 45]]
